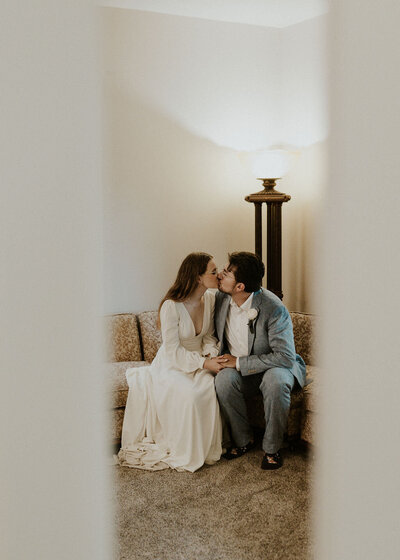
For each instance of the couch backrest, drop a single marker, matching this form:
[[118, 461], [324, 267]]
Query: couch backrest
[[123, 341], [151, 335], [126, 344], [303, 331]]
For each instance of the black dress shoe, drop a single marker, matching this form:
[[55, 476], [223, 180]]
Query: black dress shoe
[[235, 452], [269, 466]]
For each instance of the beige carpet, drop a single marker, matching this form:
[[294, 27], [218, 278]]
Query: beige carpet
[[231, 510]]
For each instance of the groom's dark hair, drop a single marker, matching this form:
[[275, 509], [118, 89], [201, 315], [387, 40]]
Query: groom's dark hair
[[248, 269]]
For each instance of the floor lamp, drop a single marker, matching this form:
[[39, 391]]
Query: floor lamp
[[275, 164]]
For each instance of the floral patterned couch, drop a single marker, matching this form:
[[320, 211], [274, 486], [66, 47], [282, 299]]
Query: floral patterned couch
[[134, 340]]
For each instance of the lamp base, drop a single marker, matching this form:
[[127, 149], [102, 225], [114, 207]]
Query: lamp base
[[268, 194], [273, 200]]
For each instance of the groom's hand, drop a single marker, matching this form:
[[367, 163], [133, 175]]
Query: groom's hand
[[229, 361], [214, 364]]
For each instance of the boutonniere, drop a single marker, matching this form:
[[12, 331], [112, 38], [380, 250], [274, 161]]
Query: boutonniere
[[252, 316]]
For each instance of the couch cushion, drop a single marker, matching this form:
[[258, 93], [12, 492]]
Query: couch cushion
[[308, 427], [304, 329], [116, 420], [122, 335], [312, 389], [151, 335], [117, 385]]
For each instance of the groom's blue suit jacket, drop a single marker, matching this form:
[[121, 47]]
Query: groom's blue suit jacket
[[271, 344]]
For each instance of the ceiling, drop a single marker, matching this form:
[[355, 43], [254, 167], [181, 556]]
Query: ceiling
[[267, 13]]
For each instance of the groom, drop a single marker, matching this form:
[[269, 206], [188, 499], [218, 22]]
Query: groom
[[256, 334]]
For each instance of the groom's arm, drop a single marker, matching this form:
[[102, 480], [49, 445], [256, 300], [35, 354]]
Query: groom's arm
[[219, 298], [210, 346], [279, 331]]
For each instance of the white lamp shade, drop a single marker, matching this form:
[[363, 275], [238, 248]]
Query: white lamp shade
[[270, 164]]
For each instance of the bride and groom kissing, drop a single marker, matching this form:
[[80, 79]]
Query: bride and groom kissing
[[188, 408]]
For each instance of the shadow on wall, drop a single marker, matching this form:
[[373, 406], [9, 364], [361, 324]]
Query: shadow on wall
[[167, 193], [301, 227]]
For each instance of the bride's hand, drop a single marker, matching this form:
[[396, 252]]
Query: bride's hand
[[214, 364]]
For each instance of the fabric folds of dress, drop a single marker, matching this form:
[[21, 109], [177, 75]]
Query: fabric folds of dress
[[172, 417]]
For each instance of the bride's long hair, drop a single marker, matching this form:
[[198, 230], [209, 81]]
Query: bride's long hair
[[193, 266]]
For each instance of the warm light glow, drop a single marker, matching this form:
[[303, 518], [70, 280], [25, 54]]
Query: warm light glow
[[269, 163]]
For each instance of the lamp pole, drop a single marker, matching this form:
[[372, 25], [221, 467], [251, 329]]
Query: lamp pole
[[274, 200]]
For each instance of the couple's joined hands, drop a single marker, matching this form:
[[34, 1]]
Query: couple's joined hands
[[220, 362]]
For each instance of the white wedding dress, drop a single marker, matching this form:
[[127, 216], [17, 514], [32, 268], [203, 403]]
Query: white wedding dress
[[172, 416]]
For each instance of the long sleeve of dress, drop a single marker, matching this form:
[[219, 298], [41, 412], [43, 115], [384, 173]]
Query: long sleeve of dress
[[176, 354], [209, 340]]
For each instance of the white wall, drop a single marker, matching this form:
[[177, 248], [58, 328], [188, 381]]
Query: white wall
[[358, 492], [52, 428], [303, 123], [182, 97]]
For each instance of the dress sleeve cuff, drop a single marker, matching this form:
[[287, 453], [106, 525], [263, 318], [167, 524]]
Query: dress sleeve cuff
[[237, 364]]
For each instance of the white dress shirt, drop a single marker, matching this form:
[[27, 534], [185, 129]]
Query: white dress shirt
[[237, 329]]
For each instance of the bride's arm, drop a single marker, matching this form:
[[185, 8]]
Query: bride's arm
[[177, 355]]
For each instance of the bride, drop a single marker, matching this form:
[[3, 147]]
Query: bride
[[172, 416]]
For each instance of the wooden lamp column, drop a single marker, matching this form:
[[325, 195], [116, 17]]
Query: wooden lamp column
[[274, 200]]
